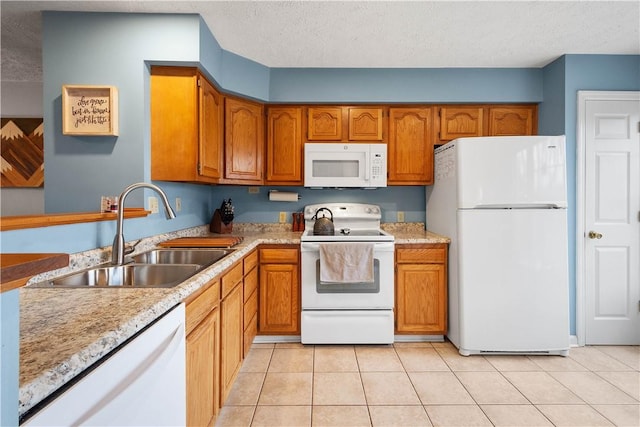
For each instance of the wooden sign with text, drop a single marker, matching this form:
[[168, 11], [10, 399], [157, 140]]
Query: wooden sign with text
[[89, 110]]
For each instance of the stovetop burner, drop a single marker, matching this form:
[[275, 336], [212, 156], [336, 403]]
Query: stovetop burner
[[352, 222]]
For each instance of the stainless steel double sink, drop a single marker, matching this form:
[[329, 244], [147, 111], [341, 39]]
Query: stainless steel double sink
[[156, 268]]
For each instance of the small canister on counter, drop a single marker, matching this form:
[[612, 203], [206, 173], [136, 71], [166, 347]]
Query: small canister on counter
[[298, 221]]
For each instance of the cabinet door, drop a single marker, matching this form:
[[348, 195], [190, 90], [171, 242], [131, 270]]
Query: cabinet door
[[324, 124], [231, 340], [510, 121], [203, 347], [279, 299], [421, 298], [410, 148], [460, 122], [211, 130], [174, 124], [365, 124], [284, 146], [244, 142]]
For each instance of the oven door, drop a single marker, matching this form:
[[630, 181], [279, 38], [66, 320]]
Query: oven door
[[378, 294]]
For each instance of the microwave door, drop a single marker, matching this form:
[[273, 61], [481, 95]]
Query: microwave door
[[339, 169]]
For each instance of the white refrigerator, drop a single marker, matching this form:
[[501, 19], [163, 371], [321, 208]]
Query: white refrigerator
[[503, 203]]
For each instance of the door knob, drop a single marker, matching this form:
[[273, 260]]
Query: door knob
[[594, 235]]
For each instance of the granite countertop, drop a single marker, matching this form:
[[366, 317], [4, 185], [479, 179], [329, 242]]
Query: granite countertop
[[64, 331]]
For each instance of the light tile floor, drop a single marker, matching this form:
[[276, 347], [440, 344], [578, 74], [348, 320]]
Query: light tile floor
[[430, 384]]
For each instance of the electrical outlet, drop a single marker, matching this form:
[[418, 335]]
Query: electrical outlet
[[178, 204], [400, 216], [153, 204], [283, 217], [254, 190]]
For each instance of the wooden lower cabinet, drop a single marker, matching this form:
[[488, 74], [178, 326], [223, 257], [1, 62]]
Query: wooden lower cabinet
[[250, 312], [421, 289], [231, 337], [279, 293], [202, 357]]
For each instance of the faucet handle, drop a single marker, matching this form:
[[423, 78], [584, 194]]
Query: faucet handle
[[131, 247]]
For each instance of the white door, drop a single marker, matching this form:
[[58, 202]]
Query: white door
[[611, 232]]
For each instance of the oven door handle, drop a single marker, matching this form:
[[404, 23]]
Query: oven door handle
[[378, 246]]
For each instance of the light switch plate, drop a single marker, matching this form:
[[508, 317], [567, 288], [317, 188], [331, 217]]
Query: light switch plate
[[153, 204]]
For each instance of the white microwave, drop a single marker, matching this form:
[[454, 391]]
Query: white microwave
[[339, 165]]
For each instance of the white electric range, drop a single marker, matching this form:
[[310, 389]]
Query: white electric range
[[347, 313]]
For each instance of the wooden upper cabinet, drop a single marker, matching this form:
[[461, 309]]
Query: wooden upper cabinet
[[211, 134], [345, 124], [186, 126], [512, 120], [325, 124], [365, 124], [463, 121], [460, 122], [284, 146], [244, 142], [410, 146]]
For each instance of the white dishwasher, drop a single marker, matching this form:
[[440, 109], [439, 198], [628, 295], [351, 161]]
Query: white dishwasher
[[142, 384]]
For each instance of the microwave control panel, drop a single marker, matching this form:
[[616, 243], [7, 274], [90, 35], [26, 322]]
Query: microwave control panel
[[378, 168]]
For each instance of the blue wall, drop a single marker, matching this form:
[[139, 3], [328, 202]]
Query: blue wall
[[104, 49], [257, 207], [454, 85], [558, 114], [9, 329]]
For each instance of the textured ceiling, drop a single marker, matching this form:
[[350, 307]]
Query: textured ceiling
[[370, 34]]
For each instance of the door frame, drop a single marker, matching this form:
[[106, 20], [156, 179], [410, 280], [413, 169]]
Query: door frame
[[581, 292]]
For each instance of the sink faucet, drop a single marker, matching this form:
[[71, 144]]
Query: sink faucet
[[118, 249]]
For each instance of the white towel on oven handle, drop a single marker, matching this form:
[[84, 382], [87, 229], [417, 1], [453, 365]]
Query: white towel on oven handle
[[346, 262]]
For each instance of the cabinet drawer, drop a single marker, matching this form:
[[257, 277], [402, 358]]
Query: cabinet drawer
[[198, 308], [421, 255], [279, 255], [250, 307], [250, 283], [250, 261], [231, 279]]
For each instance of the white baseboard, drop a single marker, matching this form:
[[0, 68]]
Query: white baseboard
[[418, 338], [271, 339]]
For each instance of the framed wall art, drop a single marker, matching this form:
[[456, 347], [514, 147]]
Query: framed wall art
[[22, 149], [89, 110]]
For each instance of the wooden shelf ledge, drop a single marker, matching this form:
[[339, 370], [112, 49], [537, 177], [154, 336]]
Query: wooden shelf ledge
[[34, 221], [17, 269]]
